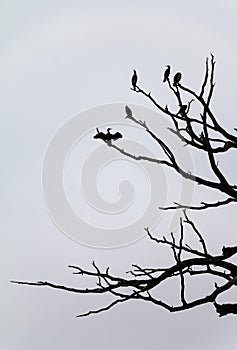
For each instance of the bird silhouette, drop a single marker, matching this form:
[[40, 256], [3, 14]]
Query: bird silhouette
[[128, 112], [107, 137], [201, 136], [182, 110], [167, 73], [177, 78], [134, 80]]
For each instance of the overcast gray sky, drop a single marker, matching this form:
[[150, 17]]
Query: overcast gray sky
[[59, 58]]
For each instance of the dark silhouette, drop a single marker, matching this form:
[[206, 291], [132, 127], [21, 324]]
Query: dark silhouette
[[128, 112], [177, 78], [100, 135], [107, 137], [167, 73], [183, 110], [200, 132], [134, 80], [113, 137]]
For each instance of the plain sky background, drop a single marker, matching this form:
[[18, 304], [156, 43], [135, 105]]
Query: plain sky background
[[59, 58]]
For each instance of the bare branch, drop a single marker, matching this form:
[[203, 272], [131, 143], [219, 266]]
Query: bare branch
[[202, 132], [205, 79], [105, 308], [201, 207]]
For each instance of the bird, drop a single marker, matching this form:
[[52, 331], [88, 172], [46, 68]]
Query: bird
[[183, 109], [201, 136], [134, 80], [177, 78], [167, 73], [107, 137], [128, 112], [100, 135]]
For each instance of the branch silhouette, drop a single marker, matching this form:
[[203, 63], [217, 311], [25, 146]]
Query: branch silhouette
[[205, 134], [145, 281]]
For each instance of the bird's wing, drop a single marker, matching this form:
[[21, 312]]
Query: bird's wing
[[116, 136]]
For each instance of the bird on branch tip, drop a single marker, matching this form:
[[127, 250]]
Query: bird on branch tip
[[167, 73], [177, 78], [128, 112], [107, 137], [182, 110], [201, 136], [134, 80]]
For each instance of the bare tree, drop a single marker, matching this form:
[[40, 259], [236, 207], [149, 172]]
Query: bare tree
[[204, 133]]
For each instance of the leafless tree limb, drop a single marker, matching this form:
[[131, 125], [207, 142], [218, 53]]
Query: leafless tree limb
[[202, 206], [145, 280], [204, 133]]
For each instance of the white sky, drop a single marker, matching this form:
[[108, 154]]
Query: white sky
[[59, 58]]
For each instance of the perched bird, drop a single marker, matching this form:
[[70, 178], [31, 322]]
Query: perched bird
[[177, 78], [100, 135], [167, 73], [183, 109], [128, 112], [107, 137], [201, 136], [229, 251], [134, 80]]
